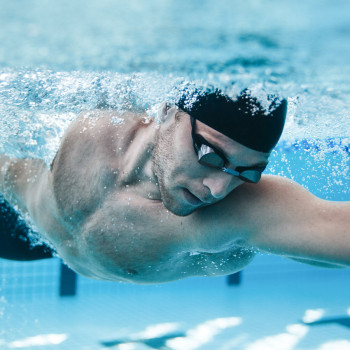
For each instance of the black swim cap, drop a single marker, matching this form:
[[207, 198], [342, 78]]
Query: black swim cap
[[243, 120]]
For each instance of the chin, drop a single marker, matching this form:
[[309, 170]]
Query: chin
[[171, 201], [179, 210]]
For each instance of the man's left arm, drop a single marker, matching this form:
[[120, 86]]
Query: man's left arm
[[281, 217], [23, 181], [4, 163]]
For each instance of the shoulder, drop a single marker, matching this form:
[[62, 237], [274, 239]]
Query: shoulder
[[89, 158], [269, 191], [276, 206], [255, 208], [98, 130], [93, 133]]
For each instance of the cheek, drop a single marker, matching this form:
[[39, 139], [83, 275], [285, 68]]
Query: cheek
[[175, 167], [182, 168], [185, 160]]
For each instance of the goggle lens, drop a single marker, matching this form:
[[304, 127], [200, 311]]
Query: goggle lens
[[208, 157], [252, 176]]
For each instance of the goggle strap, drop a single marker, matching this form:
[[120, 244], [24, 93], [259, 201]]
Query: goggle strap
[[230, 171], [240, 175]]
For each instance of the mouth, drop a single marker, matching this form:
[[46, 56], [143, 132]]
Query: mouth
[[191, 198]]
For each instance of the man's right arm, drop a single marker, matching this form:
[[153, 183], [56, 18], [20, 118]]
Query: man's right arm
[[278, 216], [284, 218]]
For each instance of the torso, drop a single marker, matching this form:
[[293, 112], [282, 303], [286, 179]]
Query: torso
[[117, 227]]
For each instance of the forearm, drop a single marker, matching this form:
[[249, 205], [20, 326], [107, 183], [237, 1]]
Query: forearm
[[318, 263]]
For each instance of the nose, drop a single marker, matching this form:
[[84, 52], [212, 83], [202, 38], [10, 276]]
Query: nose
[[220, 186]]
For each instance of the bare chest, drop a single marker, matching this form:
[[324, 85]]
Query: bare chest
[[139, 241]]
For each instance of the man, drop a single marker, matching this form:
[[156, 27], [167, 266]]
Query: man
[[144, 202]]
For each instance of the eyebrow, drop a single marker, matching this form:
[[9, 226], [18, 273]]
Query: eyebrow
[[224, 154]]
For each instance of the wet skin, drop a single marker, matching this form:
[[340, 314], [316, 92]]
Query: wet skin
[[130, 202]]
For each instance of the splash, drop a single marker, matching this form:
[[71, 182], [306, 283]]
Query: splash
[[37, 106]]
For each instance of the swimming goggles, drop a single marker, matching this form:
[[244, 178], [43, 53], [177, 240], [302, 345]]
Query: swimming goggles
[[211, 157]]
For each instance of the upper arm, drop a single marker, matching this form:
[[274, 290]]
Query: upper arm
[[284, 218], [23, 181], [4, 163]]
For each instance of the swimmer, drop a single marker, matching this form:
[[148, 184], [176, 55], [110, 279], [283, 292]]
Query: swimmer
[[145, 202]]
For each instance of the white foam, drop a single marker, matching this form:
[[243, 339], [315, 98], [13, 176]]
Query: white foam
[[203, 333], [38, 340], [313, 315], [283, 341], [341, 344], [156, 330]]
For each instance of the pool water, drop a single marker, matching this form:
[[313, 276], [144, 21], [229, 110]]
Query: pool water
[[277, 306], [58, 58]]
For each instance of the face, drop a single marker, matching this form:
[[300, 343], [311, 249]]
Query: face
[[185, 184]]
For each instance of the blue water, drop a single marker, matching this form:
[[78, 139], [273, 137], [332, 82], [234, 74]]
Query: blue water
[[58, 58]]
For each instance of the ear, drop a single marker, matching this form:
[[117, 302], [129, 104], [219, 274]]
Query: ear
[[163, 110]]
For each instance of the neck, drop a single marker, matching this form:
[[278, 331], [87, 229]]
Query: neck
[[138, 165]]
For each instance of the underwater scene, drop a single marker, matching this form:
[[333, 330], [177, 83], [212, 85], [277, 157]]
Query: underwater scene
[[61, 58]]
